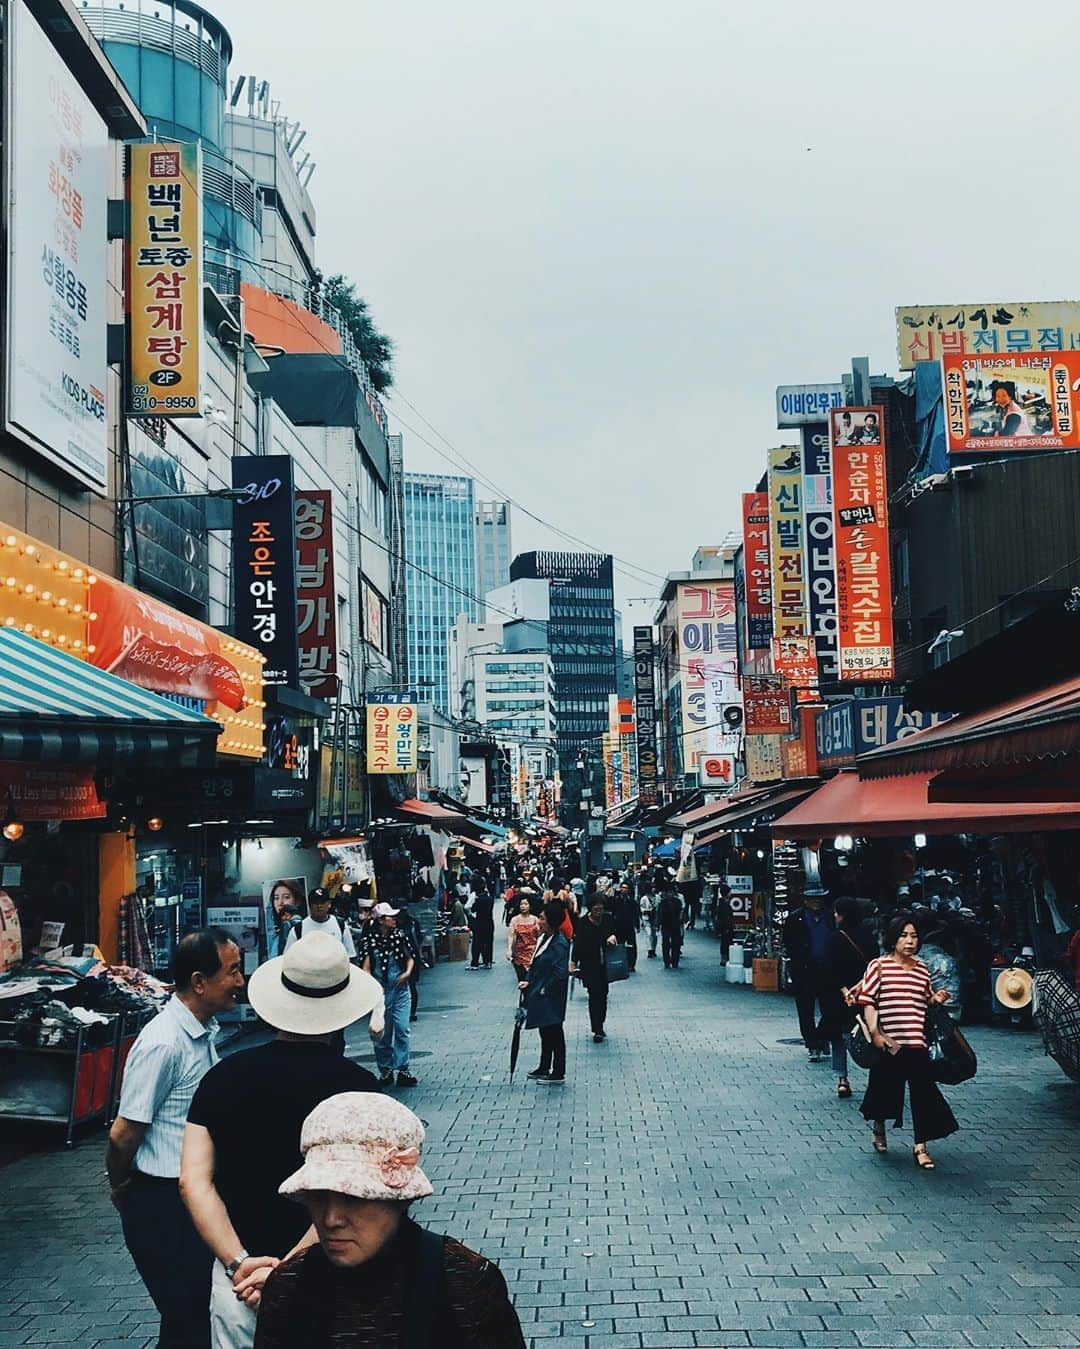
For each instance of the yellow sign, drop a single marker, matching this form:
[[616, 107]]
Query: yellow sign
[[786, 542], [392, 733], [164, 281]]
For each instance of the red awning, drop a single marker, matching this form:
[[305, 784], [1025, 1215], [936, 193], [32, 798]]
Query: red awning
[[1039, 725], [745, 808], [896, 806], [430, 812], [476, 843]]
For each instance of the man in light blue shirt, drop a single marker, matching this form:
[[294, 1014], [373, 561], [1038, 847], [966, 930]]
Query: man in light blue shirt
[[167, 1062]]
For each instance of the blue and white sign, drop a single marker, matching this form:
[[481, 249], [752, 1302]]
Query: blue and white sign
[[819, 553], [800, 404], [843, 730]]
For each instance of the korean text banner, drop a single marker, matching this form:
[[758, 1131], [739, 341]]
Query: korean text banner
[[987, 328], [800, 404], [857, 726], [819, 559], [54, 347], [789, 617], [316, 605], [1026, 401], [708, 653], [767, 707], [264, 562], [861, 525], [756, 569], [164, 281], [392, 733], [645, 715], [763, 759]]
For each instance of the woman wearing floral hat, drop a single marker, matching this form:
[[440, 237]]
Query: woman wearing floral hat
[[376, 1279]]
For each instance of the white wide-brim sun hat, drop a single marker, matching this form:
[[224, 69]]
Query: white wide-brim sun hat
[[313, 989]]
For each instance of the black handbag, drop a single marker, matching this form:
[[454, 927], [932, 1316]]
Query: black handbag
[[952, 1059], [617, 963], [860, 1048]]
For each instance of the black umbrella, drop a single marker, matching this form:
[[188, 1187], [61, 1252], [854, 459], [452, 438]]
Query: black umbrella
[[515, 1040]]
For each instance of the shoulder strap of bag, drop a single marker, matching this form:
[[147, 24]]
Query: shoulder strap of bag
[[855, 945], [425, 1290]]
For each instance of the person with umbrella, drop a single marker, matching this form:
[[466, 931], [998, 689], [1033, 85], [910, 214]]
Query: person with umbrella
[[545, 993]]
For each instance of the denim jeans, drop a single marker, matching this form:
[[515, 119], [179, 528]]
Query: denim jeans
[[392, 1051], [839, 1056]]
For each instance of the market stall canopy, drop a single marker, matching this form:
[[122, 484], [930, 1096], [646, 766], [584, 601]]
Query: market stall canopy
[[896, 806], [57, 709], [428, 812], [1035, 726], [743, 809], [476, 843]]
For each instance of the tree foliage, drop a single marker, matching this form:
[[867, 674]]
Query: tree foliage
[[376, 349]]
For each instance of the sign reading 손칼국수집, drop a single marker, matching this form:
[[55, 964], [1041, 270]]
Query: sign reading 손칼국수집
[[1023, 401]]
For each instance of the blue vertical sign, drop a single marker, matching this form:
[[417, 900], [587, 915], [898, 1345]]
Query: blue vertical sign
[[819, 553]]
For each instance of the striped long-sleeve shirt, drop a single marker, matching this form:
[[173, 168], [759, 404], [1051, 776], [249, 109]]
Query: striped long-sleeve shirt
[[901, 994]]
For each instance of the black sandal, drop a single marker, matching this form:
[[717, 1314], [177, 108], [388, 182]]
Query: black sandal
[[923, 1160], [843, 1089], [881, 1143]]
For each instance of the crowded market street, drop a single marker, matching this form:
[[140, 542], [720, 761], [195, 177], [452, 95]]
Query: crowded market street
[[695, 1183]]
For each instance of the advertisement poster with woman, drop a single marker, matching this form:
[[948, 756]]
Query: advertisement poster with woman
[[283, 900]]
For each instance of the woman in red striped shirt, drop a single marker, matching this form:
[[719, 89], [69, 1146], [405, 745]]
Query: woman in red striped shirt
[[895, 993]]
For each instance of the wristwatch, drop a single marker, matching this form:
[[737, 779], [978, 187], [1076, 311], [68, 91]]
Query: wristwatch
[[235, 1263]]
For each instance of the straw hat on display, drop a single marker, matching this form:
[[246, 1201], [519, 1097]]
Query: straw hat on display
[[313, 989], [1013, 988]]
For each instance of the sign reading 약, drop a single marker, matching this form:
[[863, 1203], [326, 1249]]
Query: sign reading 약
[[801, 404], [819, 563], [316, 604], [55, 358], [929, 332], [756, 569], [645, 715], [392, 733], [861, 526], [164, 291], [264, 562], [1025, 401], [785, 542]]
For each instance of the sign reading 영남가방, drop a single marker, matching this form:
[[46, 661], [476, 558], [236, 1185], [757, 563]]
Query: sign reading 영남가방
[[1021, 401], [800, 404], [861, 526], [164, 274], [392, 733], [316, 605], [929, 332], [756, 570], [264, 562], [55, 357], [789, 617]]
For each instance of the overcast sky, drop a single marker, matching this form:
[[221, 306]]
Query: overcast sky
[[600, 233]]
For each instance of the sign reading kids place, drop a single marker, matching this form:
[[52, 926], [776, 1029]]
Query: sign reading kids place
[[861, 527], [1023, 401], [392, 733], [164, 276]]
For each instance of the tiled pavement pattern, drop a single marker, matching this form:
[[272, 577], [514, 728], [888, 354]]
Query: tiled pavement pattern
[[695, 1183]]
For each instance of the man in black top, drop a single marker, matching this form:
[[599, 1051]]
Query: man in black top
[[626, 912], [593, 934], [806, 935], [243, 1132]]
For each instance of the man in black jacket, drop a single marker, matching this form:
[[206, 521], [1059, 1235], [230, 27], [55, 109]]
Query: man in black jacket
[[627, 915], [594, 933], [806, 933]]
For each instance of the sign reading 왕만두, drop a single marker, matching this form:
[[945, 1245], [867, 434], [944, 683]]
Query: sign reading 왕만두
[[392, 733], [928, 332], [164, 281], [1024, 401]]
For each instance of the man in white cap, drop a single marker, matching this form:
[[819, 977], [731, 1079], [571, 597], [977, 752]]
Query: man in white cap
[[388, 955], [320, 919], [243, 1128]]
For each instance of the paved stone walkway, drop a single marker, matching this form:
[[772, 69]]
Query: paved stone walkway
[[695, 1183]]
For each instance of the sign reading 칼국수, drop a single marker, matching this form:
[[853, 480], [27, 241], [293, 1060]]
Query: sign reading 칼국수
[[1026, 401], [392, 733], [789, 617], [928, 332], [55, 343], [861, 526], [756, 570], [164, 276], [800, 404], [264, 562], [316, 605]]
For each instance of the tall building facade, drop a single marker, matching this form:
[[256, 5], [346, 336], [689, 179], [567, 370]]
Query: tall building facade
[[440, 544], [582, 643], [492, 545]]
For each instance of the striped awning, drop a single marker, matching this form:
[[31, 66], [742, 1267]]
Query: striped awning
[[55, 708]]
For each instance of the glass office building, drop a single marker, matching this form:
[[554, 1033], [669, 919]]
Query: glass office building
[[492, 546], [440, 545]]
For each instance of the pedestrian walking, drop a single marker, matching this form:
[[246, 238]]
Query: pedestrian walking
[[522, 939], [243, 1129], [595, 933], [483, 927], [692, 891], [806, 932], [725, 920], [650, 915], [375, 1279], [670, 922], [849, 948], [388, 956], [409, 925], [545, 992], [168, 1060], [895, 993], [627, 916], [320, 919]]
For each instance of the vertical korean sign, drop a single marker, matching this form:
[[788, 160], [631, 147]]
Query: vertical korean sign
[[861, 523], [55, 358], [264, 562], [164, 281], [645, 715], [316, 603], [756, 566], [707, 626], [392, 733], [789, 618], [819, 558]]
